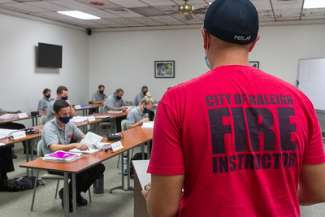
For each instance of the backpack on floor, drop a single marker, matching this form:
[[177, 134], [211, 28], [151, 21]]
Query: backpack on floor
[[21, 183]]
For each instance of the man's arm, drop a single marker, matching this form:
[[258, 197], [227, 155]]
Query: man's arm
[[164, 196], [312, 187], [58, 147]]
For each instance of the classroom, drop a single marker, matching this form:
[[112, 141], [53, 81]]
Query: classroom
[[162, 108]]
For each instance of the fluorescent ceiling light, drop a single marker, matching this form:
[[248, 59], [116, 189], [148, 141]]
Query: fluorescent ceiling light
[[79, 15], [314, 4]]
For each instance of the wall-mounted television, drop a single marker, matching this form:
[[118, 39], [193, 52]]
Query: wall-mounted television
[[49, 56]]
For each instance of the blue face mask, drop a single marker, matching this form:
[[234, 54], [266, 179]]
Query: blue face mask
[[207, 62], [65, 119]]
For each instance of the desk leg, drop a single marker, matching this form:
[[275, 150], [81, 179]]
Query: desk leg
[[129, 188], [34, 191], [66, 195], [125, 173], [74, 192], [143, 151]]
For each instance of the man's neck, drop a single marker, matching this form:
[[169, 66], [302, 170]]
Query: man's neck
[[230, 57], [60, 124]]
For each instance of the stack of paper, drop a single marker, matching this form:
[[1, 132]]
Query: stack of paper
[[61, 156], [16, 134], [148, 125], [6, 117], [78, 119]]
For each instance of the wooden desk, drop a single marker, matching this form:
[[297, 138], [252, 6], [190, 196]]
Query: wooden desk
[[141, 179], [131, 139]]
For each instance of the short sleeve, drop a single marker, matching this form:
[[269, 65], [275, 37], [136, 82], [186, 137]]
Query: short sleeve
[[314, 151], [50, 136], [131, 118], [78, 135], [167, 155]]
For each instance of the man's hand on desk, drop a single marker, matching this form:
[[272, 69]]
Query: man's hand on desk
[[124, 108], [81, 147]]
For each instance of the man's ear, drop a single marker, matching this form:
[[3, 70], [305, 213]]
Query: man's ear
[[252, 46], [206, 39]]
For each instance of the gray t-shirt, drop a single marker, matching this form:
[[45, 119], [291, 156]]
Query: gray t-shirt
[[44, 104], [114, 104], [99, 97], [135, 115], [52, 134], [138, 99]]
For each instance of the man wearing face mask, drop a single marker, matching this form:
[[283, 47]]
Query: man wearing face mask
[[115, 102], [59, 134], [141, 95], [62, 94], [222, 141], [140, 114], [44, 103], [100, 95]]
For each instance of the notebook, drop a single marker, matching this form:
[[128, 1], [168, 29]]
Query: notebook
[[61, 156]]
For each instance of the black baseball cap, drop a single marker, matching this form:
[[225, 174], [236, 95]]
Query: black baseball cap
[[234, 21]]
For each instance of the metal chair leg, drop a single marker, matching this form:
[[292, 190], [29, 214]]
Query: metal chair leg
[[89, 195], [34, 193], [57, 189]]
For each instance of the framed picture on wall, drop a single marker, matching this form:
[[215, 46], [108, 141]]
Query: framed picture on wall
[[255, 64], [165, 69]]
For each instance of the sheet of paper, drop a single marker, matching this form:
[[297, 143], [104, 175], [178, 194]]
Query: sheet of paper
[[4, 133], [22, 115], [91, 139], [77, 107], [140, 168], [8, 116], [91, 118], [89, 151], [148, 125], [116, 146]]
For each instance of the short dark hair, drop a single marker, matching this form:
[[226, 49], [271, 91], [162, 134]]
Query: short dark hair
[[119, 90], [46, 90], [60, 104], [144, 87], [101, 86], [61, 89]]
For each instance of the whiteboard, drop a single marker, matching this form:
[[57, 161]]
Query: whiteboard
[[311, 80]]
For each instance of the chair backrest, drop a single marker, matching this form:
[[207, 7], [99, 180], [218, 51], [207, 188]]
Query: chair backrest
[[40, 148], [124, 125]]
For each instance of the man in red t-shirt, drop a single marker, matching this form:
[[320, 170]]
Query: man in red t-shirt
[[234, 142]]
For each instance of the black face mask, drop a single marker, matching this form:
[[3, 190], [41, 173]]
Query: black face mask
[[101, 92], [64, 98], [118, 97], [65, 119], [144, 92], [48, 96], [146, 111]]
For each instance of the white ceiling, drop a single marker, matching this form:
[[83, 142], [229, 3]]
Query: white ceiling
[[149, 13]]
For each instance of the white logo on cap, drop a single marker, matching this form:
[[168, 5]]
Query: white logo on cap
[[242, 38]]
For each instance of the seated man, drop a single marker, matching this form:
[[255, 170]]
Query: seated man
[[62, 93], [6, 166], [58, 134], [98, 98], [44, 103], [100, 95], [115, 102], [141, 95], [140, 114]]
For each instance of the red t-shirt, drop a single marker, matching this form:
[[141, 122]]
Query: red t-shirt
[[240, 137]]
